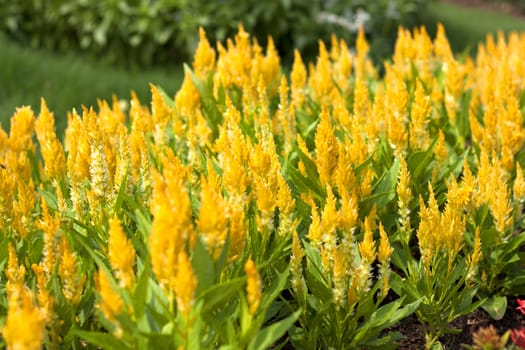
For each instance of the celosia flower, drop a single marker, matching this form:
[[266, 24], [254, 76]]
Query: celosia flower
[[185, 285], [367, 248], [25, 323], [72, 281], [253, 286], [521, 306], [518, 337], [110, 300], [204, 58], [121, 254]]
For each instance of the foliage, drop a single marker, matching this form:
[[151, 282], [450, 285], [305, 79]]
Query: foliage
[[255, 209], [144, 32]]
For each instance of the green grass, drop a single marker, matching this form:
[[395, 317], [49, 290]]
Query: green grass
[[69, 81], [466, 27]]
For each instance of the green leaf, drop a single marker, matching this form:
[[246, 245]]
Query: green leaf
[[104, 340], [220, 294], [495, 306], [269, 335], [203, 266], [140, 293]]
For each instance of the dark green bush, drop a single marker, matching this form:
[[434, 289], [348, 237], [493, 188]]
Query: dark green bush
[[145, 32]]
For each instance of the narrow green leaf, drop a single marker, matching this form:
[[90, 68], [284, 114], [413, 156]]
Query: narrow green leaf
[[269, 335]]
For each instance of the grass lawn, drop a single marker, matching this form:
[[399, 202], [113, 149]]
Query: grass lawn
[[466, 27], [70, 81]]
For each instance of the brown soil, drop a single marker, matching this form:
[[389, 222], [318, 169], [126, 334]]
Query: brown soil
[[414, 339], [492, 5]]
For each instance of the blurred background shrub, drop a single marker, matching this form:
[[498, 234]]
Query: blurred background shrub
[[150, 32]]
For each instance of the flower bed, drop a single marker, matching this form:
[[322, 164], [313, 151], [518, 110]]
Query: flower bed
[[255, 210]]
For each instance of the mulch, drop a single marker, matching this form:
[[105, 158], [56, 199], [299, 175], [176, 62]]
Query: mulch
[[414, 339]]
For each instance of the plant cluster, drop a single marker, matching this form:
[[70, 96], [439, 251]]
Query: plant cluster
[[145, 32], [255, 209]]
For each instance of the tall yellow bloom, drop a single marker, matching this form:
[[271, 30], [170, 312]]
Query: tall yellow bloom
[[204, 58], [253, 286], [72, 280], [185, 285], [50, 146], [25, 323], [325, 147], [121, 254], [111, 302]]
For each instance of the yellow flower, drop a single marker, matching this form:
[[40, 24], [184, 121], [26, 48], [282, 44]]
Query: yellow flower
[[121, 254], [298, 79], [50, 147], [367, 248], [419, 116], [25, 323], [172, 223], [518, 188], [204, 58], [253, 286], [50, 225], [213, 218], [72, 280], [325, 147], [385, 249], [44, 298], [185, 285], [110, 300]]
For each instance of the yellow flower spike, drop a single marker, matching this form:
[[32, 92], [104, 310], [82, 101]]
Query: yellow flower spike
[[121, 254], [285, 201], [325, 147], [298, 80], [285, 116], [172, 223], [14, 273], [271, 65], [237, 229], [518, 188], [296, 269], [50, 225], [160, 111], [25, 323], [23, 207], [320, 81], [476, 255], [329, 218], [315, 230], [441, 45], [204, 58], [45, 300], [187, 100], [21, 130], [385, 249], [50, 146], [362, 48], [397, 101], [367, 247], [111, 302], [440, 149], [253, 286], [185, 285], [72, 281], [403, 189], [339, 273], [348, 212], [501, 209], [213, 219], [419, 115], [361, 100]]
